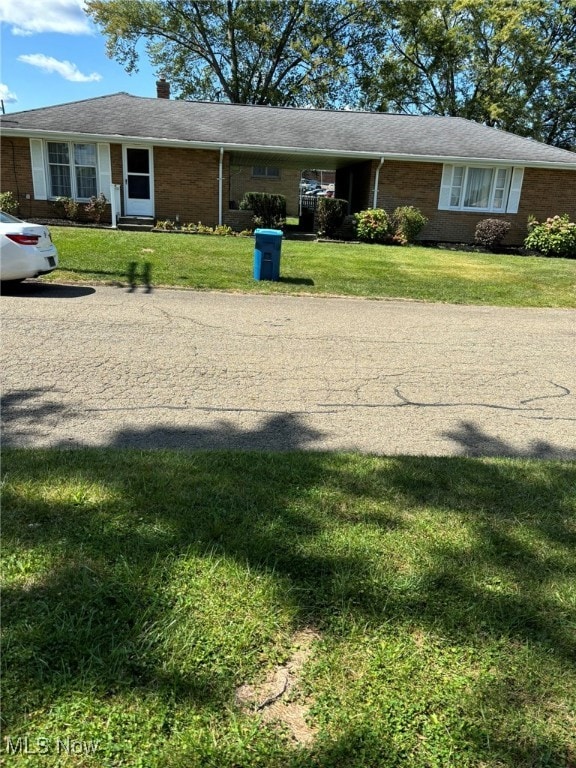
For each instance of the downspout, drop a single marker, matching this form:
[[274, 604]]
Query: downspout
[[376, 183], [220, 186]]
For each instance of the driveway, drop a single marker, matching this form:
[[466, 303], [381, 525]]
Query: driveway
[[179, 369]]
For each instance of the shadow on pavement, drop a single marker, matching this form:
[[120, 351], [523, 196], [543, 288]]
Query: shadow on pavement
[[40, 290], [29, 415], [476, 443]]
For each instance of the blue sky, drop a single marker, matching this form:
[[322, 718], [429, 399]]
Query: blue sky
[[51, 53]]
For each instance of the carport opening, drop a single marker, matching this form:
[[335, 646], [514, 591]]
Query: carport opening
[[301, 187]]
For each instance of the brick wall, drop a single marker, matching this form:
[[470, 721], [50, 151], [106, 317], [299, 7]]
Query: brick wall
[[544, 193], [242, 181], [16, 177], [238, 220], [547, 193], [186, 185], [186, 181]]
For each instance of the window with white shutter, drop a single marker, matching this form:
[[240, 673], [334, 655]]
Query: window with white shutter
[[491, 189]]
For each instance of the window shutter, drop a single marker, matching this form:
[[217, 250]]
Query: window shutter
[[104, 170], [445, 188], [38, 169], [515, 190]]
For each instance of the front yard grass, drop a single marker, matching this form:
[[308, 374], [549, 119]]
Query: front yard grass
[[219, 263], [142, 589]]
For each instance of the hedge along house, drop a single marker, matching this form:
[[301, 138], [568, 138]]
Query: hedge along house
[[170, 159]]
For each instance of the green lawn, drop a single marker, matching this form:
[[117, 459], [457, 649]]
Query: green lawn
[[436, 599], [214, 610], [220, 263]]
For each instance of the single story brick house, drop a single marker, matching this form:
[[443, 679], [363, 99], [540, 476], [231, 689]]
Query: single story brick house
[[168, 159]]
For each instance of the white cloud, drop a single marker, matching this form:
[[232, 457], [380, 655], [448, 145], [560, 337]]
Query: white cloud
[[65, 69], [6, 94], [29, 17]]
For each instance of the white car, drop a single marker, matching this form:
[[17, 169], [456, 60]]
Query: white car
[[26, 250]]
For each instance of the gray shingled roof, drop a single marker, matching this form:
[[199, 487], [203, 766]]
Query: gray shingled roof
[[277, 130]]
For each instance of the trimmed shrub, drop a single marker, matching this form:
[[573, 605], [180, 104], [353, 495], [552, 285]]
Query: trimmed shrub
[[407, 223], [330, 214], [268, 210], [373, 225], [491, 232], [8, 202], [554, 237]]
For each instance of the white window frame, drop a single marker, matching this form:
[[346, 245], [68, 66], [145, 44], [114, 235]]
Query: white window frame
[[39, 163], [511, 189], [72, 167], [266, 175]]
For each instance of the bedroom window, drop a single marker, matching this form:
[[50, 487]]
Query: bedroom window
[[72, 170], [480, 188], [265, 172], [483, 189]]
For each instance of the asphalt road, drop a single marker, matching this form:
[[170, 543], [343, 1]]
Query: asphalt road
[[104, 366]]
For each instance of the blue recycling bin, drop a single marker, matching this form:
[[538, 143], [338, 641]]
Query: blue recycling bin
[[267, 249]]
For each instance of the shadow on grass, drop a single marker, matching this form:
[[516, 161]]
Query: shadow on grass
[[297, 280], [133, 278], [84, 622]]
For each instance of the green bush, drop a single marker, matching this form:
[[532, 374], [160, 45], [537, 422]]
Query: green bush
[[491, 232], [407, 223], [268, 210], [554, 237], [373, 225], [330, 214], [8, 202]]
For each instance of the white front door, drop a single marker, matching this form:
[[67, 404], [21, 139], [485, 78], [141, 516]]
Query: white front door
[[138, 181]]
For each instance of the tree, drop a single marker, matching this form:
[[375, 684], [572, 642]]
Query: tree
[[505, 63], [281, 52]]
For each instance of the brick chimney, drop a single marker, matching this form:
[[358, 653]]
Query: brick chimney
[[162, 88]]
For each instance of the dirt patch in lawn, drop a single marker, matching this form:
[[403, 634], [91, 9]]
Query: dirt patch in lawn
[[278, 699]]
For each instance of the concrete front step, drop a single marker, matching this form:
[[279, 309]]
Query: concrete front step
[[136, 223]]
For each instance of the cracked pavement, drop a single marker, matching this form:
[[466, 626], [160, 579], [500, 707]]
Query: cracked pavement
[[104, 366]]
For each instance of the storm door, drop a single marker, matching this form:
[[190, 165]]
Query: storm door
[[138, 181]]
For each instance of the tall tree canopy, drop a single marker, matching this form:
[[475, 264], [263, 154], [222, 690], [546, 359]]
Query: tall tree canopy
[[280, 52], [505, 63]]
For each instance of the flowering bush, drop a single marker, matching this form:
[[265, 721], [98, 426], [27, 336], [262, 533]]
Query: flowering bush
[[373, 225], [554, 237], [8, 202], [95, 207], [67, 207], [166, 225]]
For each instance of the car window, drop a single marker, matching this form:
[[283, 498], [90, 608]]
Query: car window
[[5, 218]]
